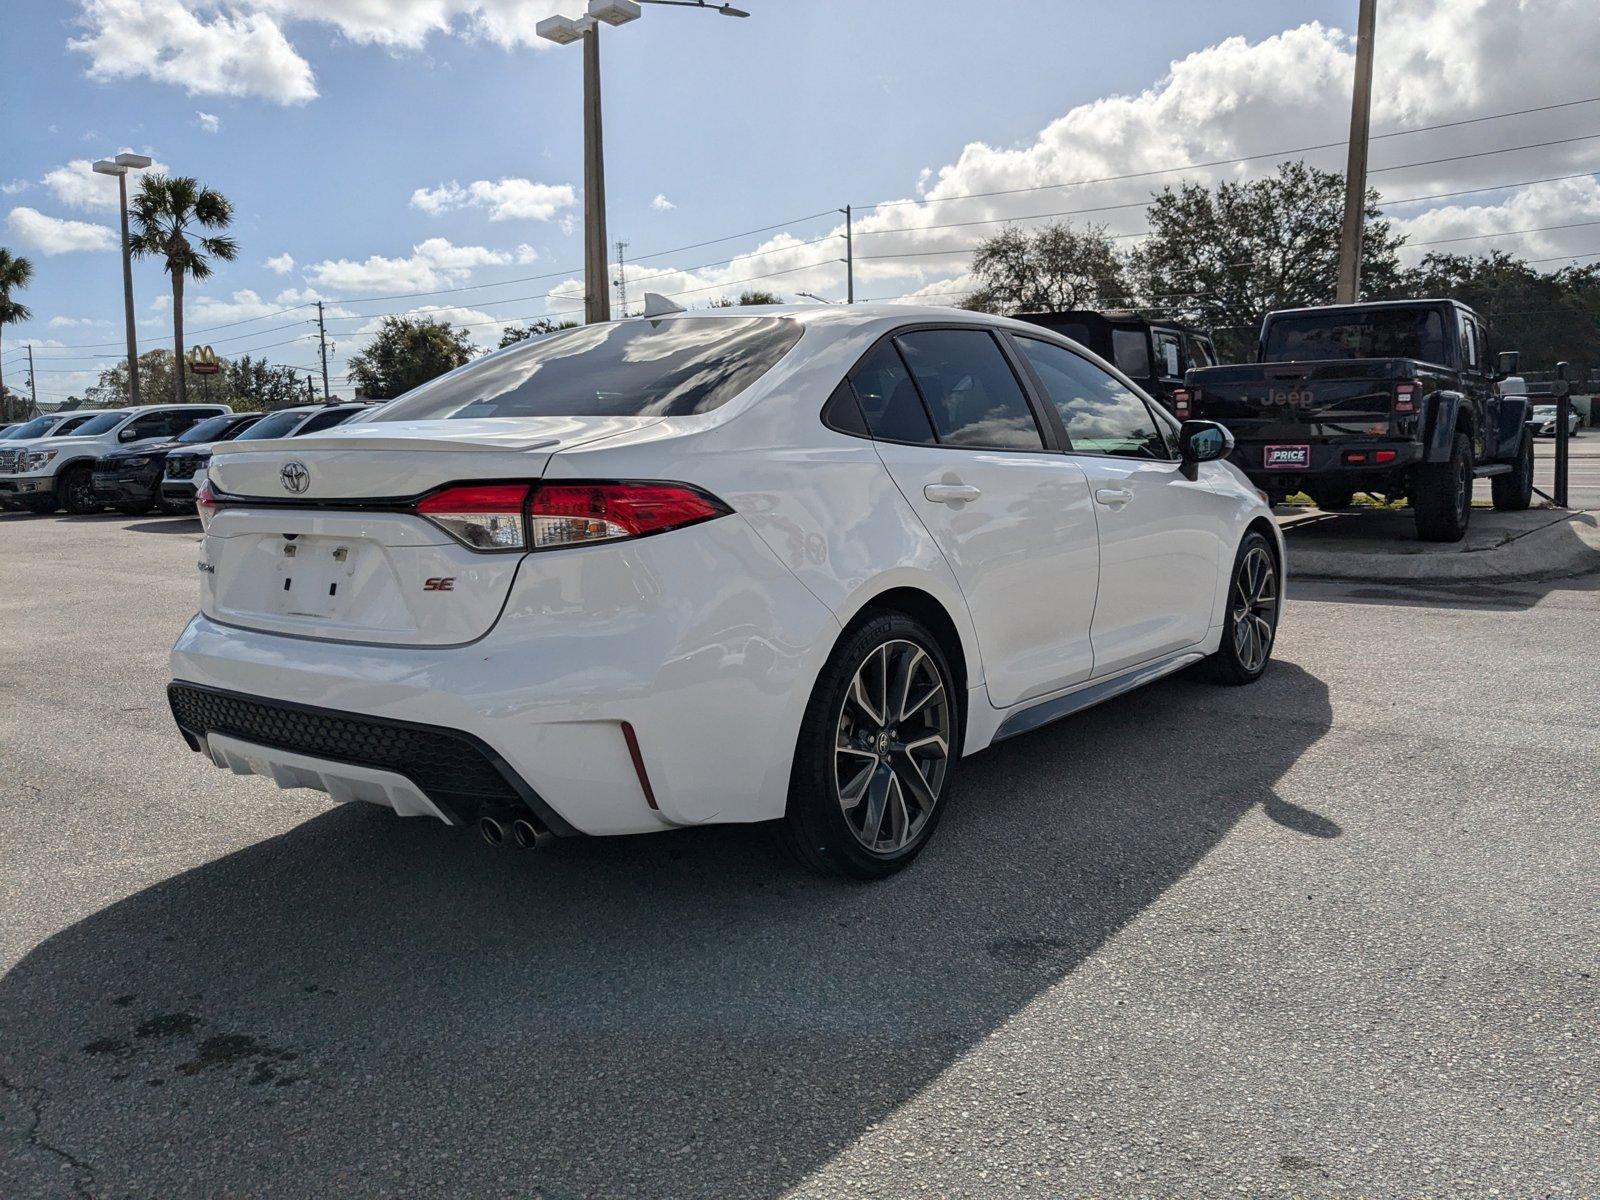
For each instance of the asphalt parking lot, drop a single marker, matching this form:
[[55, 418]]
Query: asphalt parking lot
[[1334, 934]]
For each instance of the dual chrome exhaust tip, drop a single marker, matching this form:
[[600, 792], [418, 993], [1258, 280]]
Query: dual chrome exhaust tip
[[498, 828]]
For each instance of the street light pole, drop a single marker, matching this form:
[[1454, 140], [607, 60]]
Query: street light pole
[[1355, 176], [120, 166], [564, 31], [597, 278]]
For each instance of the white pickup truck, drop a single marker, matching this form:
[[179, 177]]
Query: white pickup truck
[[21, 438], [56, 473]]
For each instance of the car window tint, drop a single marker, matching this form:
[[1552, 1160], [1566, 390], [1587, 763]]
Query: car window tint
[[970, 390], [158, 424], [1101, 415], [889, 399], [326, 420], [1169, 354], [1131, 352]]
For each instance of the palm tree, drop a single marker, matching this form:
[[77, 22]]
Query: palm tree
[[15, 274], [165, 216]]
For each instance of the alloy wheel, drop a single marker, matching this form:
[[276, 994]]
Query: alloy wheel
[[892, 746], [1254, 608]]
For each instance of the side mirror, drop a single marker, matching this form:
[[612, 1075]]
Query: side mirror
[[1202, 441], [1508, 361], [128, 434]]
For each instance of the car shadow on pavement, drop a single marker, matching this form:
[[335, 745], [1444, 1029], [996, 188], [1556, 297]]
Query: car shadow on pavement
[[174, 524], [366, 1005]]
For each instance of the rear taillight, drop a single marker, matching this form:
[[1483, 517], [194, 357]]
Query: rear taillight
[[205, 504], [1181, 404], [519, 516], [483, 516], [1405, 397]]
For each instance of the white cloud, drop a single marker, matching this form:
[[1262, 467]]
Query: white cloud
[[74, 322], [235, 53], [77, 184], [526, 254], [14, 186], [1460, 228], [51, 235], [661, 203], [483, 328], [505, 199], [433, 263], [208, 122], [280, 264]]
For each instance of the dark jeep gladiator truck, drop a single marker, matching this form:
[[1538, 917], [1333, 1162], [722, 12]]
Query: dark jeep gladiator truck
[[1394, 398]]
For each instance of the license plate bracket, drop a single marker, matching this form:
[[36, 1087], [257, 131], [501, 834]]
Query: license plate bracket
[[314, 576], [1286, 457]]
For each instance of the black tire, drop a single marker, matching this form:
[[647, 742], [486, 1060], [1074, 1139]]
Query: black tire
[[137, 508], [1249, 606], [816, 829], [1333, 499], [1514, 492], [1444, 495], [75, 491]]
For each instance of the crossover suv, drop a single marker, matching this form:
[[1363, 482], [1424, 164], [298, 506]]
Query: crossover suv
[[735, 566], [59, 473], [129, 480], [185, 471]]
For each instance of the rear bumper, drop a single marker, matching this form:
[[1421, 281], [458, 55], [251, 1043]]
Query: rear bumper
[[1335, 463], [699, 642]]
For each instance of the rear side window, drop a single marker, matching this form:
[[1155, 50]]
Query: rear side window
[[889, 399], [1101, 415], [673, 367], [1131, 352], [1169, 354], [970, 390]]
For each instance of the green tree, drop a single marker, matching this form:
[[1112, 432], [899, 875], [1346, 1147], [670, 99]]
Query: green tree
[[1549, 317], [1223, 257], [1047, 269], [749, 296], [111, 389], [407, 352], [15, 274], [255, 385], [167, 214], [512, 334]]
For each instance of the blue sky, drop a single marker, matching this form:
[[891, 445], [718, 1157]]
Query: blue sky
[[806, 106]]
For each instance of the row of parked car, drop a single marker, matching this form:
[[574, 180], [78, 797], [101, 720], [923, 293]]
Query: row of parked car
[[144, 458]]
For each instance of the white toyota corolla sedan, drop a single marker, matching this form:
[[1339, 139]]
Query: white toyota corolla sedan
[[739, 565]]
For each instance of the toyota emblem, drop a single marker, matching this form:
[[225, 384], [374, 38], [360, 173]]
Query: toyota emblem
[[295, 477]]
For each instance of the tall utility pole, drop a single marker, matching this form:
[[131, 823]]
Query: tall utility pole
[[33, 387], [1355, 177], [622, 277], [849, 256], [120, 166], [322, 341]]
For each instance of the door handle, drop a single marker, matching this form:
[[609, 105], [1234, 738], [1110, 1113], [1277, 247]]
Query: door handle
[[1113, 497], [951, 493]]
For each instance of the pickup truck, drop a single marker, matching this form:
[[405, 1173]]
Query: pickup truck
[[1393, 398]]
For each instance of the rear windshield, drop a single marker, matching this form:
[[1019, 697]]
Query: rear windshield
[[1375, 333], [101, 424], [278, 424], [666, 368]]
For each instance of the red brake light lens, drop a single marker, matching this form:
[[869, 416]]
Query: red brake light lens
[[570, 514], [520, 516], [1180, 403], [482, 516], [1405, 398]]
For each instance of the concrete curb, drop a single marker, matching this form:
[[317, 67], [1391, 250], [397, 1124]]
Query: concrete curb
[[1565, 545]]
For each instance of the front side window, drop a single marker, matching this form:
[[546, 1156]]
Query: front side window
[[326, 420], [1101, 415], [1131, 352], [970, 390], [1200, 351], [675, 367], [1469, 343], [889, 400], [156, 424]]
